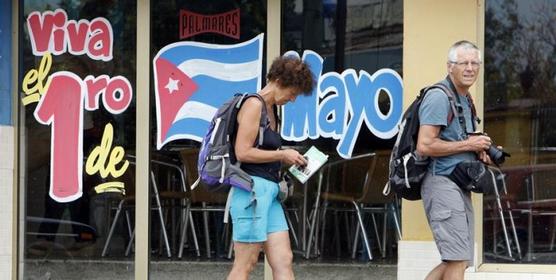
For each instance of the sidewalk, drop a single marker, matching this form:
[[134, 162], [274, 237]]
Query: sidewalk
[[96, 270]]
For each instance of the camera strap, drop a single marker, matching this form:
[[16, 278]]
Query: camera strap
[[459, 111]]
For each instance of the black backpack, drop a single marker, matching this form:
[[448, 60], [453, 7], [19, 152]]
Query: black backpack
[[407, 168]]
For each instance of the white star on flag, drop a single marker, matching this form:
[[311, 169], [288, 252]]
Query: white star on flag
[[172, 85]]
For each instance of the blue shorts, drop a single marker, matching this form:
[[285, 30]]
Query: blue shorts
[[253, 222]]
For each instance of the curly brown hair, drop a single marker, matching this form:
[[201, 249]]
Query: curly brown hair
[[291, 72]]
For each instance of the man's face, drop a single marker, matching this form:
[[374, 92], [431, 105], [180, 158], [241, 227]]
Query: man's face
[[465, 70]]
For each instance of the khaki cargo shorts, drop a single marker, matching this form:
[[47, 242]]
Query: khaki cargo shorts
[[450, 215]]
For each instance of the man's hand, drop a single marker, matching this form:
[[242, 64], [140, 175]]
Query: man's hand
[[479, 143], [483, 156]]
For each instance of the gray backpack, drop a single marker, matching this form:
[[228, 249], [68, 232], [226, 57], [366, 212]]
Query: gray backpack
[[217, 165]]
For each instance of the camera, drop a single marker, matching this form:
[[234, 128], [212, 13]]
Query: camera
[[498, 156]]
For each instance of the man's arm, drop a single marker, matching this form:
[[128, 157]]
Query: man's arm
[[430, 144]]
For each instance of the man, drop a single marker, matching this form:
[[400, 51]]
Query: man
[[448, 207]]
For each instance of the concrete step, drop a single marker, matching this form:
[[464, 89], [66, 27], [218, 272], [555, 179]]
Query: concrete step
[[166, 270]]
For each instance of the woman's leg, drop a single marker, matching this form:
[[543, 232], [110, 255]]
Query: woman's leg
[[252, 223], [246, 256], [279, 254]]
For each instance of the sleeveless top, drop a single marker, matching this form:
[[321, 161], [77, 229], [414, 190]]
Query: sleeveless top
[[268, 170]]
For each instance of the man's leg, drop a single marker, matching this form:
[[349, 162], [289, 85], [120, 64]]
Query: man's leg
[[449, 213], [455, 270], [437, 272], [279, 253], [246, 256]]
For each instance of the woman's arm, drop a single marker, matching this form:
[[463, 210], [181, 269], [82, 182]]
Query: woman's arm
[[248, 128]]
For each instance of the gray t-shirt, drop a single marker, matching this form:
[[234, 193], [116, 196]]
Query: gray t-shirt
[[434, 110]]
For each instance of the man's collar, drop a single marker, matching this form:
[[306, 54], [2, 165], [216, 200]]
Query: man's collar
[[448, 82]]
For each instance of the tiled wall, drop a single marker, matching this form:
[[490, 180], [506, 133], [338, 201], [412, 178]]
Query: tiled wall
[[6, 199], [417, 258], [5, 64]]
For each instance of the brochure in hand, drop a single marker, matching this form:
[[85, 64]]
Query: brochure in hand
[[315, 159]]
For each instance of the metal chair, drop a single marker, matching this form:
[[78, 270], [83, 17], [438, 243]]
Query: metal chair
[[539, 202], [502, 207], [292, 207], [373, 201], [201, 201], [335, 178], [158, 197], [359, 192]]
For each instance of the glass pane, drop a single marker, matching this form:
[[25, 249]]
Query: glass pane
[[355, 39], [360, 35], [203, 52], [520, 104], [78, 131]]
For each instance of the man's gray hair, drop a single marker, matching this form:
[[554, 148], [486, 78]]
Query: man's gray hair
[[463, 44]]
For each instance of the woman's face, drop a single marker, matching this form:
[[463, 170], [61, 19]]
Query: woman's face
[[286, 94]]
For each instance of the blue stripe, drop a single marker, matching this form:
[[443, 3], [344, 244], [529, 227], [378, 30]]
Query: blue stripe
[[191, 126], [246, 53], [5, 63], [215, 92]]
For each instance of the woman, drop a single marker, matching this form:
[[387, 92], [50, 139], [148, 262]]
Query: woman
[[262, 225]]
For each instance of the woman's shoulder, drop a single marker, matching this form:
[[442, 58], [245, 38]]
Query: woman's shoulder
[[253, 103], [250, 109]]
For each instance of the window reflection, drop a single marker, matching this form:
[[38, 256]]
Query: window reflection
[[58, 227], [520, 104], [193, 217], [359, 35]]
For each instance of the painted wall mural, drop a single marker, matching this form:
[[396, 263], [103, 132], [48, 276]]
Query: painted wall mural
[[226, 24], [63, 96], [341, 103], [193, 79]]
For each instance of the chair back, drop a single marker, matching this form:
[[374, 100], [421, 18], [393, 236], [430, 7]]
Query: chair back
[[128, 178], [346, 177], [541, 182], [198, 191], [375, 180]]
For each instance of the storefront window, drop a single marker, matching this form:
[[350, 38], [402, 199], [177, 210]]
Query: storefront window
[[203, 52], [520, 81], [77, 136], [352, 46], [359, 35]]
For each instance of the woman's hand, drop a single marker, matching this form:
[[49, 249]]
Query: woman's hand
[[291, 157]]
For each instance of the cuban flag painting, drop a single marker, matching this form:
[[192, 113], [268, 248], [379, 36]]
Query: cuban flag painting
[[192, 80]]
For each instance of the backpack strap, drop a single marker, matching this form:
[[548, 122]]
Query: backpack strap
[[227, 207], [476, 120], [452, 97], [264, 122]]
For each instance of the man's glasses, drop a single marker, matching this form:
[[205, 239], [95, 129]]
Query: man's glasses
[[474, 64]]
